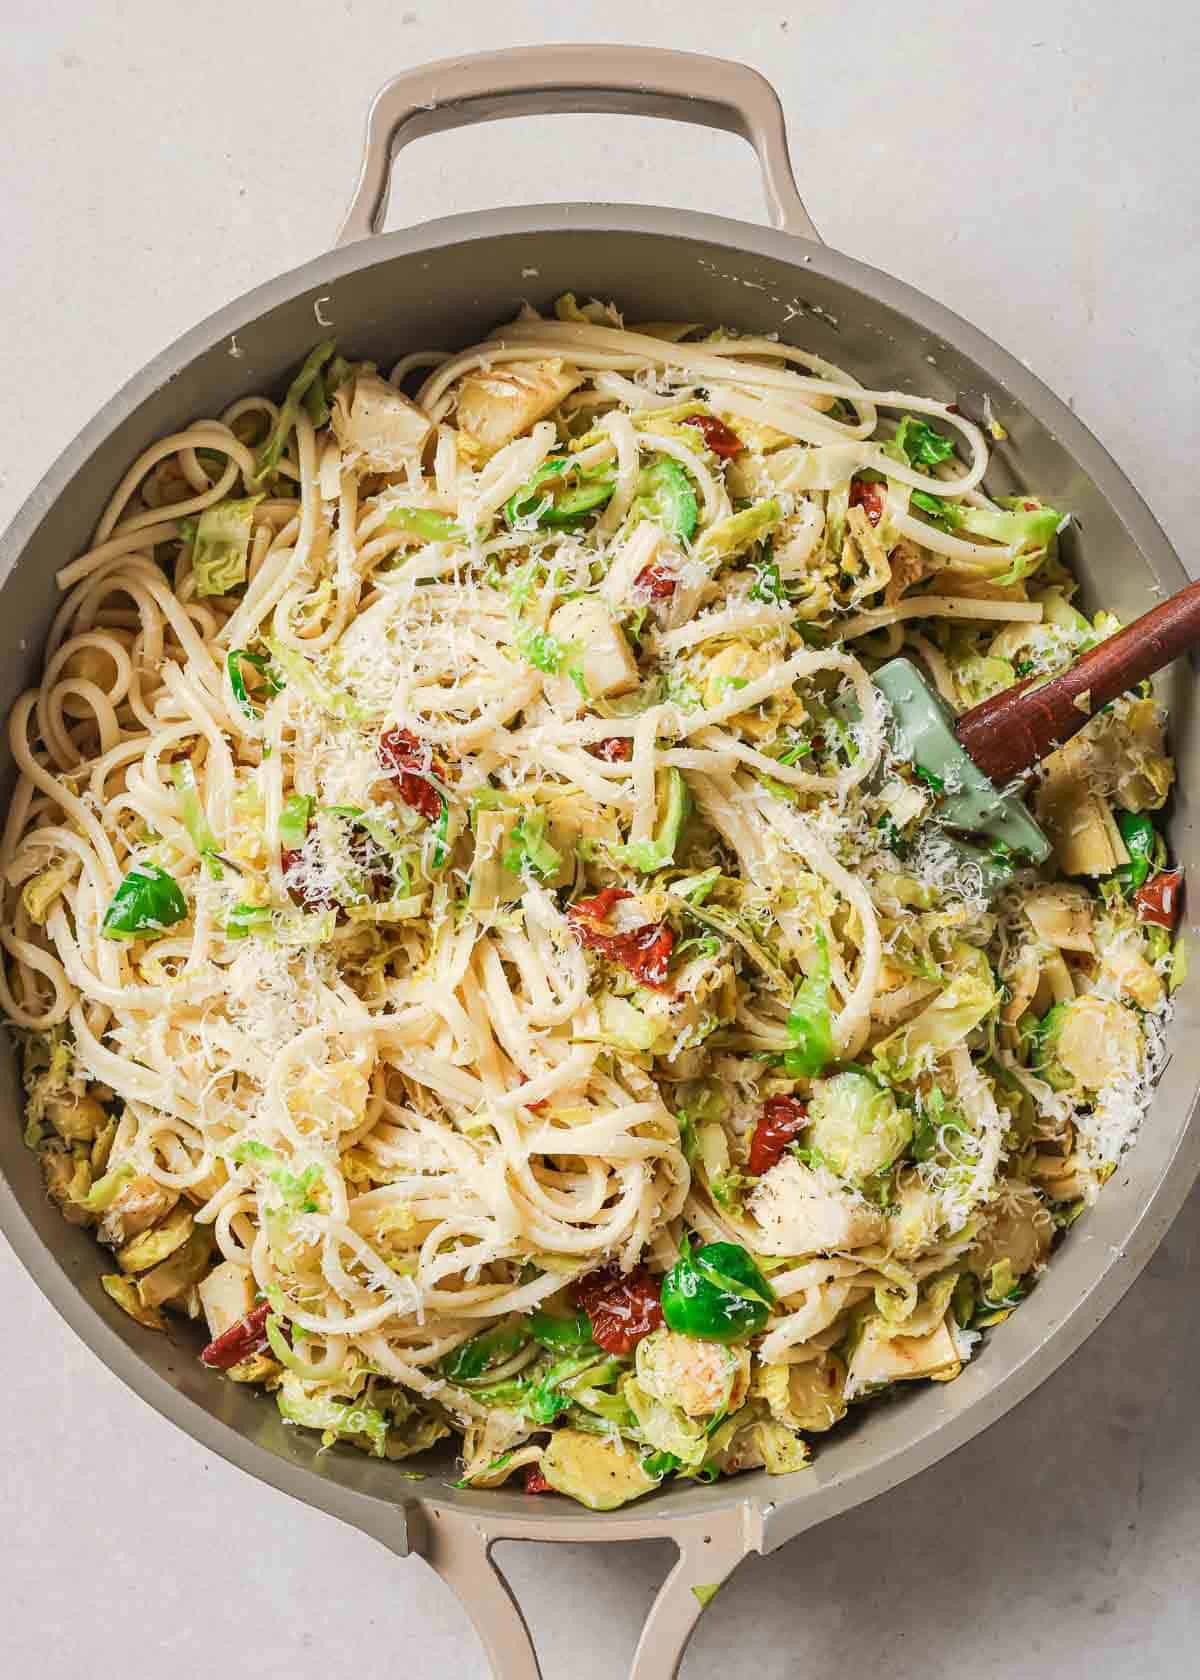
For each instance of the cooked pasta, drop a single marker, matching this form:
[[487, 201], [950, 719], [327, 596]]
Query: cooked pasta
[[479, 946]]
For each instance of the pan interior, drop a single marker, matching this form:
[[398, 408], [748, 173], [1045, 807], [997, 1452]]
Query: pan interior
[[445, 287]]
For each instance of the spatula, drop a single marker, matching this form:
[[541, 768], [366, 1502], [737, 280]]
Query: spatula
[[977, 760]]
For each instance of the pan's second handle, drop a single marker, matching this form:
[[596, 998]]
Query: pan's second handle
[[541, 81], [459, 1546], [1015, 729]]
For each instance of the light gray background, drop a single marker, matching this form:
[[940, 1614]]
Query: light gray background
[[1033, 165]]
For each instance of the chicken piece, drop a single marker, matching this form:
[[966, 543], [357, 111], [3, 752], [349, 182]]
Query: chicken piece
[[498, 404], [798, 1212]]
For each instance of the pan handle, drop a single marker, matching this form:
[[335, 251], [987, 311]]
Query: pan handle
[[458, 1544], [524, 81]]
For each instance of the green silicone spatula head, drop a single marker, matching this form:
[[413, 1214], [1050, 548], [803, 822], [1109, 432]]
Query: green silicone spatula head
[[923, 732], [977, 757]]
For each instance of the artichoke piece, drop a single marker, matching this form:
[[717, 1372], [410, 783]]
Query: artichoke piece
[[491, 884], [497, 405], [856, 1125], [227, 1295], [799, 1213], [124, 1292], [376, 423], [1062, 916], [1086, 839], [881, 1357], [593, 1470], [606, 662]]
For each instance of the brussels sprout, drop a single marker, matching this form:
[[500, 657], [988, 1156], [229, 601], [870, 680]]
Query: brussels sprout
[[271, 451], [915, 1221], [1085, 1044], [731, 535], [807, 1396], [856, 1126], [176, 1275], [752, 1441], [124, 1292], [152, 1247], [1017, 1231], [68, 1177], [955, 1011], [347, 1420], [780, 1450], [700, 1377], [594, 1471], [716, 1293], [39, 893], [657, 852], [222, 546], [666, 1427]]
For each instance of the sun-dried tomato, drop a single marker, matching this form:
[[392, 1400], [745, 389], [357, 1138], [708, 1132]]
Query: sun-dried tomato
[[781, 1120], [535, 1482], [598, 908], [622, 1308], [1160, 900], [657, 583], [404, 757], [719, 437], [241, 1341], [869, 497], [644, 951], [614, 749]]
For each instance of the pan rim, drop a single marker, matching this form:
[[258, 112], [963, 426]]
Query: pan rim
[[786, 1513]]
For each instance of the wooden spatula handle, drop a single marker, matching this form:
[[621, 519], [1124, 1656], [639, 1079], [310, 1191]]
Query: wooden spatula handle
[[1013, 730]]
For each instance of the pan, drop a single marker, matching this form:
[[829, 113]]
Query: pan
[[446, 283]]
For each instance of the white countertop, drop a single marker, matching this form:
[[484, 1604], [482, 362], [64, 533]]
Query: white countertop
[[1031, 164]]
